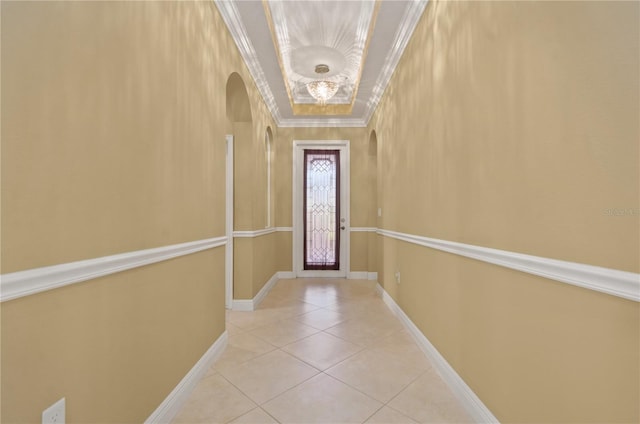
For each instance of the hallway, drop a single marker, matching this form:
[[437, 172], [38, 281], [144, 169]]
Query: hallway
[[323, 351]]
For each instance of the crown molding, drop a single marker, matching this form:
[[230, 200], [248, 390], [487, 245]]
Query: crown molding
[[409, 22], [238, 32], [322, 122]]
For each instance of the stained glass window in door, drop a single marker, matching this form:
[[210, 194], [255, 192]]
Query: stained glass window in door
[[321, 209]]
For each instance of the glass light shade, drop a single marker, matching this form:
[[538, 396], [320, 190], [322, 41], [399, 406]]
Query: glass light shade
[[322, 90]]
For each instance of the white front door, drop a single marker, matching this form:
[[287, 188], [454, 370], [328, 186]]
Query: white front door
[[321, 208]]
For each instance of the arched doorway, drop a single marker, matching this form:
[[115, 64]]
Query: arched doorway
[[239, 127]]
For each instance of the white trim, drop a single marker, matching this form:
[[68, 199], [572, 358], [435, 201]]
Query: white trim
[[255, 233], [265, 290], [372, 276], [358, 275], [244, 305], [179, 395], [363, 229], [606, 280], [411, 17], [228, 254], [471, 402], [286, 275], [345, 184], [268, 152], [252, 304], [24, 283], [284, 229], [322, 122]]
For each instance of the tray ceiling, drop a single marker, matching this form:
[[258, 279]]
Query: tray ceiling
[[283, 41]]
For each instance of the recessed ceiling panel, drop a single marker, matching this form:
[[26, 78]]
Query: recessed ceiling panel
[[359, 41], [316, 32]]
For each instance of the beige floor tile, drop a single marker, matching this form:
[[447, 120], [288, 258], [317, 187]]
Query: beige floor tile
[[322, 350], [389, 416], [354, 337], [365, 308], [322, 400], [268, 375], [256, 416], [282, 333], [358, 289], [402, 345], [365, 331], [275, 302], [321, 318], [250, 320], [233, 330], [375, 373], [241, 348], [211, 371], [428, 399], [214, 400], [290, 289], [319, 298], [296, 308], [291, 308]]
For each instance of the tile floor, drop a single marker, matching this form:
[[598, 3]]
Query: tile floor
[[321, 351]]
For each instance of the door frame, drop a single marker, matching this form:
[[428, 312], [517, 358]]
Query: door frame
[[298, 228], [228, 253]]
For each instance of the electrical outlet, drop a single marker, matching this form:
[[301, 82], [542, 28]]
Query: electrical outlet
[[398, 277], [55, 413], [379, 211]]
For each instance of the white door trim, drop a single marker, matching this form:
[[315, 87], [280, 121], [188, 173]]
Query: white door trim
[[228, 255], [298, 169]]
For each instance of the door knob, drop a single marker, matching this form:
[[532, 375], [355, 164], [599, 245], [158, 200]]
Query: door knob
[[343, 227]]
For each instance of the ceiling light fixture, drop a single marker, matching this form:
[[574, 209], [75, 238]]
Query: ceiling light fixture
[[322, 90]]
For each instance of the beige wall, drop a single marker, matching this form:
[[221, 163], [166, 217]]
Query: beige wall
[[115, 346], [113, 125], [255, 262], [514, 125]]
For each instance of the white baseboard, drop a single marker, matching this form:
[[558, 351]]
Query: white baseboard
[[373, 276], [472, 403], [178, 396], [358, 275], [242, 305], [286, 275], [252, 304], [265, 290]]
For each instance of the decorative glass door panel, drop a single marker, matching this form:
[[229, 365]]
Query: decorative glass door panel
[[321, 203]]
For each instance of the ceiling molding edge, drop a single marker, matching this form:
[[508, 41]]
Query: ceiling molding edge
[[238, 32], [410, 20], [323, 122]]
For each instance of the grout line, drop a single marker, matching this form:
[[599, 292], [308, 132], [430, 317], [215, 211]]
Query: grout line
[[265, 411], [369, 346], [376, 411]]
